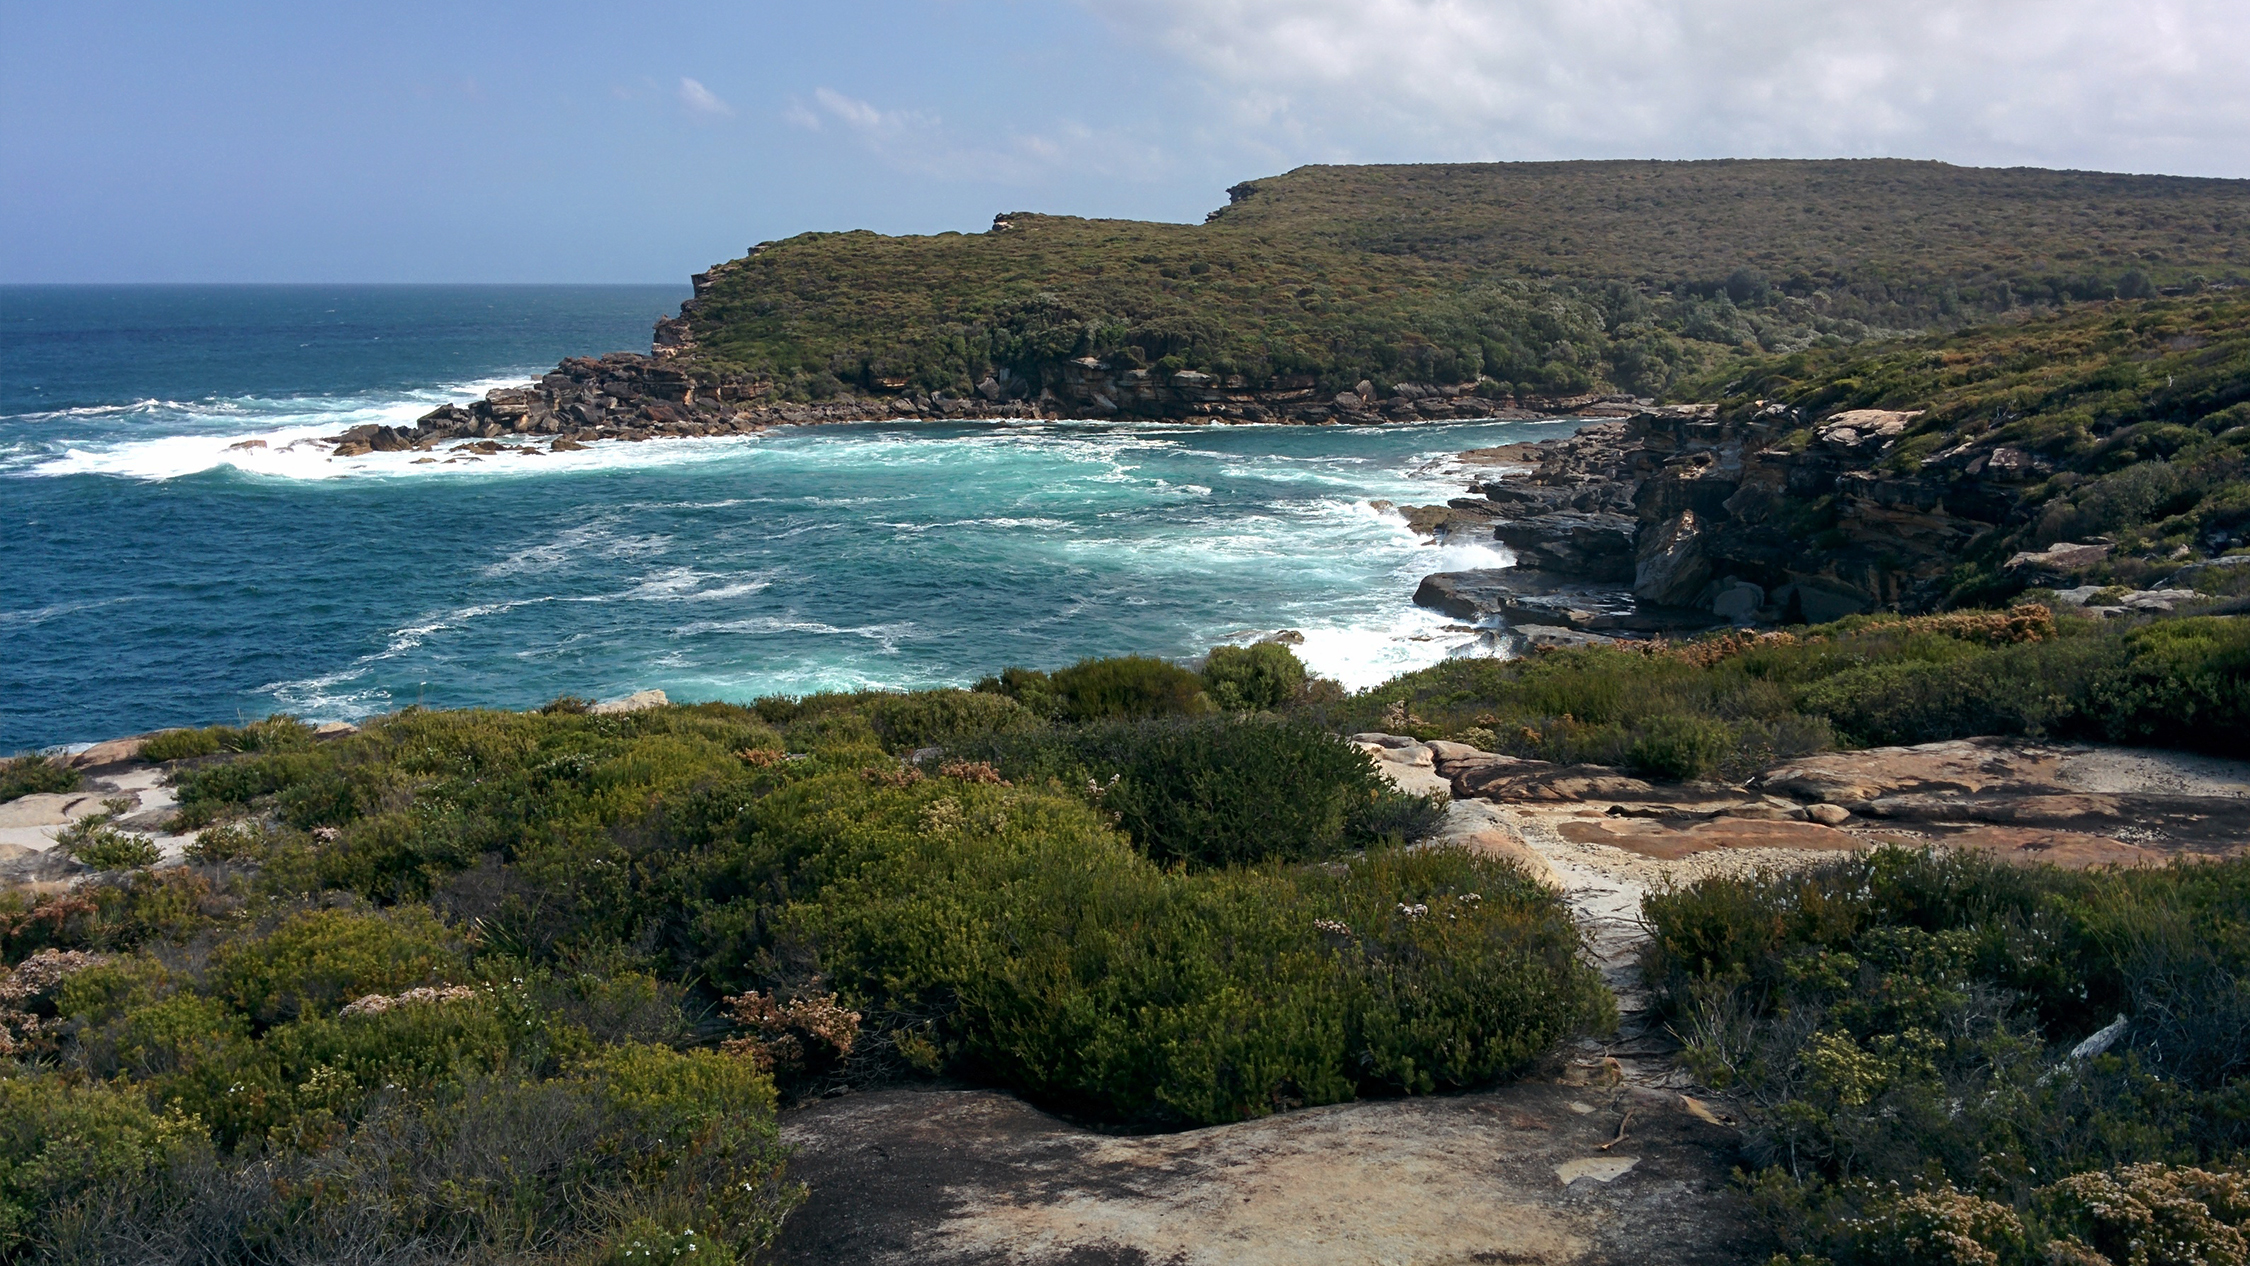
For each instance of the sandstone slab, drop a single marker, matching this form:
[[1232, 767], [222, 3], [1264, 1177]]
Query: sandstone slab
[[1672, 840], [954, 1177]]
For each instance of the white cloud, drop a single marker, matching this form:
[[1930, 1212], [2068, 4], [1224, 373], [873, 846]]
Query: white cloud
[[702, 101], [2143, 86], [869, 121], [919, 142]]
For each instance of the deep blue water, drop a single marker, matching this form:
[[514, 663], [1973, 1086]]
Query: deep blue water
[[150, 574]]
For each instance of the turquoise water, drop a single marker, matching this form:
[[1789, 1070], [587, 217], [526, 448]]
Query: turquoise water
[[156, 575]]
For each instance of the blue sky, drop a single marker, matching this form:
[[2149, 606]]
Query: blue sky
[[468, 141]]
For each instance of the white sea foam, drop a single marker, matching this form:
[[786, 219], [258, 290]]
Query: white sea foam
[[601, 538], [1360, 656], [40, 615], [887, 636], [1122, 516], [267, 437], [686, 584]]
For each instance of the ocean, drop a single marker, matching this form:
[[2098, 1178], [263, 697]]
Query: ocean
[[153, 573]]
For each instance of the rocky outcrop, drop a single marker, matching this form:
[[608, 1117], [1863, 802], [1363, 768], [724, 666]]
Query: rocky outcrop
[[1585, 1174], [623, 396], [675, 392], [1543, 606], [2071, 805], [1771, 516]]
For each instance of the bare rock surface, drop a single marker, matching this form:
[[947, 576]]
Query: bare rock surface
[[115, 779], [1519, 1175], [638, 701]]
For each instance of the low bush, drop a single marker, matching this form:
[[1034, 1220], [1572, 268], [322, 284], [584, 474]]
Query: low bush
[[1906, 1022], [1250, 678], [314, 962], [2181, 683], [274, 734], [495, 1169], [1128, 688], [1006, 933], [32, 774], [927, 718], [1681, 748], [1218, 790], [98, 844], [1731, 704], [410, 988]]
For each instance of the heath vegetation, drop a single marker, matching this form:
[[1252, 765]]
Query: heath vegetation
[[485, 986]]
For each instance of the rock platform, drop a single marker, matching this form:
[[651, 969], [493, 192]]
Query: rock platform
[[1538, 1174]]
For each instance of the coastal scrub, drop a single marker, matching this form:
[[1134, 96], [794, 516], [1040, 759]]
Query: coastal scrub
[[533, 984]]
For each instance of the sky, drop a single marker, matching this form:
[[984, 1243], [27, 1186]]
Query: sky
[[567, 141]]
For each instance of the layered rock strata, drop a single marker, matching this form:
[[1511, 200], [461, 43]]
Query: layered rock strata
[[1772, 517], [626, 396]]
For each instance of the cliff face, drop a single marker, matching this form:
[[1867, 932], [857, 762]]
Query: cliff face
[[1758, 519], [2097, 449], [1752, 518]]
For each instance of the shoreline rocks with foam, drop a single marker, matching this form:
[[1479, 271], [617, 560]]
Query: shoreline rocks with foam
[[629, 397], [1693, 520]]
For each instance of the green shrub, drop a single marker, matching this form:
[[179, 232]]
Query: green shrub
[[1129, 688], [2183, 683], [934, 717], [831, 731], [186, 744], [63, 1140], [1007, 934], [1250, 678], [274, 734], [1217, 790], [645, 1241], [1865, 680], [1679, 748], [1033, 689], [472, 1050], [2037, 690], [316, 961], [1903, 1020], [95, 842], [106, 848], [32, 774], [496, 1169]]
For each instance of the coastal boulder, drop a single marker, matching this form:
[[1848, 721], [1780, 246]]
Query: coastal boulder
[[1855, 430], [1671, 568], [1470, 595], [1596, 546], [2058, 560], [638, 701]]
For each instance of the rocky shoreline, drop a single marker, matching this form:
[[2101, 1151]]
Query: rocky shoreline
[[629, 397], [1675, 519], [670, 394]]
